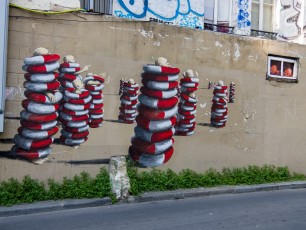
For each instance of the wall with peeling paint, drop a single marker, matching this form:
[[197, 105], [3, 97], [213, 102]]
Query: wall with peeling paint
[[186, 13], [266, 123], [53, 5]]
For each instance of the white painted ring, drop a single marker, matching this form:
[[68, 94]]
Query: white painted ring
[[44, 68], [41, 59], [41, 87], [38, 108], [37, 134], [41, 77], [28, 144], [31, 154]]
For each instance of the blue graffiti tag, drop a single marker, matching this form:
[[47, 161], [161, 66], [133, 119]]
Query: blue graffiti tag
[[147, 9], [120, 14], [132, 2], [192, 22], [243, 14]]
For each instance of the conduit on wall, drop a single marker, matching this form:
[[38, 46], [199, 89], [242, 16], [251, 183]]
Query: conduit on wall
[[4, 6]]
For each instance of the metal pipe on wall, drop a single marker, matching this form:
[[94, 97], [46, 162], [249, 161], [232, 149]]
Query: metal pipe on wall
[[4, 6]]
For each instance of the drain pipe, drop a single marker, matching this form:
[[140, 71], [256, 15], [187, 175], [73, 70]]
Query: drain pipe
[[4, 15]]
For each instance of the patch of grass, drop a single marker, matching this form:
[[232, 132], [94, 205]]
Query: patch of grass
[[30, 190], [84, 186], [27, 191], [157, 180]]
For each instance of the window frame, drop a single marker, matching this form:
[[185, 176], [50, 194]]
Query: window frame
[[262, 4], [281, 77]]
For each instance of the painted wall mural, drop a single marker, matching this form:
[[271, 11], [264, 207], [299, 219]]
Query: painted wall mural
[[232, 89], [95, 84], [128, 102], [219, 106], [152, 143], [186, 13], [39, 117], [74, 110], [186, 116], [242, 17], [291, 21]]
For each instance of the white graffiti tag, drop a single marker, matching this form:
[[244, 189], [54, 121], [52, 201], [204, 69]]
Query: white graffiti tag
[[289, 16]]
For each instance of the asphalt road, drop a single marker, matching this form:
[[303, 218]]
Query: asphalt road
[[277, 210]]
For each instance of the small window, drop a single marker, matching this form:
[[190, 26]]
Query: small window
[[282, 68]]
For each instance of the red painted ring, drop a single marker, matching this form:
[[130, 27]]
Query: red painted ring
[[41, 59], [149, 160]]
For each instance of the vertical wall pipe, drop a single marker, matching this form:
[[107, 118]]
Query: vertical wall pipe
[[4, 12]]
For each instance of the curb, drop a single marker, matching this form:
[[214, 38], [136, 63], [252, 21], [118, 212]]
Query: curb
[[200, 192], [49, 206]]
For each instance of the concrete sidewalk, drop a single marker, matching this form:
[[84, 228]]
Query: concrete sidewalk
[[49, 206]]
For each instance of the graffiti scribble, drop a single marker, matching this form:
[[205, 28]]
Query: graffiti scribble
[[243, 14], [187, 13], [289, 16]]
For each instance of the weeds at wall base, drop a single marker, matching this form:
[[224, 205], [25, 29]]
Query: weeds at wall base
[[84, 186]]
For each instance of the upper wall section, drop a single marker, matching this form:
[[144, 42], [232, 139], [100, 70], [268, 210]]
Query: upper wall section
[[281, 19], [48, 5], [85, 35], [187, 13], [263, 120]]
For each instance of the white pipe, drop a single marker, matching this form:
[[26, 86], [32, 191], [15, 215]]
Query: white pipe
[[231, 13], [215, 12], [261, 12], [4, 9]]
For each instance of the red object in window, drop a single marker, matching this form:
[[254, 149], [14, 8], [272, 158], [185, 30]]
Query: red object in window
[[288, 72], [274, 70]]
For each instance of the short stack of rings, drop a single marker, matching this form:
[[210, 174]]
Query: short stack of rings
[[178, 91], [210, 85], [129, 101], [186, 123], [38, 119], [232, 93], [96, 110], [74, 117], [68, 74], [219, 106], [152, 143], [121, 86]]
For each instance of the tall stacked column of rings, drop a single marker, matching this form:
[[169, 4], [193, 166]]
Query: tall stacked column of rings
[[121, 86], [129, 101], [186, 116], [219, 105], [232, 93], [94, 84], [152, 143], [74, 114], [38, 119]]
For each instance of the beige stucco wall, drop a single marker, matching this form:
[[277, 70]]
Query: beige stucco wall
[[266, 123]]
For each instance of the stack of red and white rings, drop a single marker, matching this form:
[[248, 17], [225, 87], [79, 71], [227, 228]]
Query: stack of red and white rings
[[74, 117], [219, 106], [38, 120], [178, 91], [210, 85], [68, 74], [187, 107], [232, 93], [121, 86], [152, 143], [129, 101], [96, 105]]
